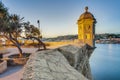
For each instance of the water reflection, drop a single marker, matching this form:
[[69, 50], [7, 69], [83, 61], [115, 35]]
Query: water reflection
[[110, 52]]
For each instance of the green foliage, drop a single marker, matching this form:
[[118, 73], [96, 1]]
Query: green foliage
[[31, 31], [10, 26], [3, 11], [9, 23], [3, 17]]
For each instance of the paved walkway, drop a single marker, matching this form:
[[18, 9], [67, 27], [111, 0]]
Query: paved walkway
[[15, 72], [12, 73]]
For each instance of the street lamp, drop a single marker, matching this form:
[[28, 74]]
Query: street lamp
[[38, 24], [39, 28]]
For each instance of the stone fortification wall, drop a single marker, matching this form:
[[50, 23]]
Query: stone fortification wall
[[64, 63], [78, 58]]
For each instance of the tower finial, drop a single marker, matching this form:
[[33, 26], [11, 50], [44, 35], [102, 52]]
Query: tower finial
[[86, 8]]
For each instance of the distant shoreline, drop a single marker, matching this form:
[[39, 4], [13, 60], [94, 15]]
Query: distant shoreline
[[109, 41]]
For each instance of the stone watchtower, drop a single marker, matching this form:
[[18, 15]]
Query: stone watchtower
[[86, 28]]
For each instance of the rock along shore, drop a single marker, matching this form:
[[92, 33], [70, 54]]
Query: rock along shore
[[68, 62]]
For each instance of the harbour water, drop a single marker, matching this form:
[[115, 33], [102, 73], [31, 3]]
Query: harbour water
[[105, 62]]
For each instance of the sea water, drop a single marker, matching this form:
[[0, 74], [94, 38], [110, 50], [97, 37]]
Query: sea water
[[105, 62]]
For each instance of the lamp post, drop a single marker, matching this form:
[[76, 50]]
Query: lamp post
[[38, 24], [39, 28]]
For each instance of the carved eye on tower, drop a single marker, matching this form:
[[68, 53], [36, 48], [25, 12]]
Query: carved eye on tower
[[88, 28]]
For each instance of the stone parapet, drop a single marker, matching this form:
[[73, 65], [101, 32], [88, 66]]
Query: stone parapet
[[78, 57], [69, 62]]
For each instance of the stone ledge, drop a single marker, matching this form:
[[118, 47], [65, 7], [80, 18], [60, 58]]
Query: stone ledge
[[78, 57], [54, 65], [3, 66]]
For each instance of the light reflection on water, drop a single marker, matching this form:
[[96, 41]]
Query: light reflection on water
[[105, 62]]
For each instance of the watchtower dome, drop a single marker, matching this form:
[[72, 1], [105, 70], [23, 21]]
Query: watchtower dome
[[86, 28]]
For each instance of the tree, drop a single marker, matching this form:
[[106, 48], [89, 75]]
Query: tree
[[3, 11], [3, 15], [33, 32], [15, 28], [10, 26], [12, 29]]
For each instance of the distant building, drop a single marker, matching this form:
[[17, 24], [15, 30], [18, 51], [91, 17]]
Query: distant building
[[86, 28]]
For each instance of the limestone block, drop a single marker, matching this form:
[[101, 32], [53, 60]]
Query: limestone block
[[78, 57], [50, 65]]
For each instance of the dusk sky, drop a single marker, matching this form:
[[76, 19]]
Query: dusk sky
[[59, 17]]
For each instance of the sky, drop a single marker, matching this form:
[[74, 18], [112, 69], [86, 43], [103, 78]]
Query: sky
[[59, 17]]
